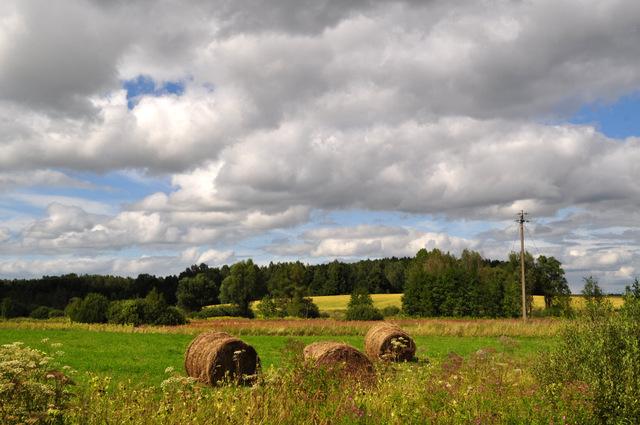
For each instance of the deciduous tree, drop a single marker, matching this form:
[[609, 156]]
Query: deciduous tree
[[196, 292], [243, 285], [549, 280]]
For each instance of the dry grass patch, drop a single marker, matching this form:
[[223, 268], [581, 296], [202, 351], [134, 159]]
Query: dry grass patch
[[535, 327]]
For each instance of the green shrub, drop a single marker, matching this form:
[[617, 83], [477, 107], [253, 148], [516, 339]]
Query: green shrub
[[272, 307], [155, 306], [40, 313], [219, 311], [127, 312], [151, 310], [92, 309], [32, 388], [390, 310], [172, 316], [298, 306], [54, 312], [303, 307], [361, 307], [601, 351], [363, 312], [631, 297]]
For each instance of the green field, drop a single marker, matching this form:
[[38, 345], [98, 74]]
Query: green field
[[465, 373], [143, 354], [143, 357]]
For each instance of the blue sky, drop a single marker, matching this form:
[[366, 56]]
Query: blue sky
[[219, 131], [144, 85], [617, 120]]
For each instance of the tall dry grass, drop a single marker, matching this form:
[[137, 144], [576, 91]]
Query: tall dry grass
[[534, 327]]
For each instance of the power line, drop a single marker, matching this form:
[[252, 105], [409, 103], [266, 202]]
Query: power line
[[532, 240], [515, 239]]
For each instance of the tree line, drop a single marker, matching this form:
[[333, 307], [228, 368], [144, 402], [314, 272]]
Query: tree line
[[434, 283], [439, 284]]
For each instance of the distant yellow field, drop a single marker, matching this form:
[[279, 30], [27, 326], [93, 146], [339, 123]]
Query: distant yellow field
[[578, 302], [339, 302]]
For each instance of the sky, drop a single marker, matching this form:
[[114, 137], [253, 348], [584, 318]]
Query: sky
[[144, 137]]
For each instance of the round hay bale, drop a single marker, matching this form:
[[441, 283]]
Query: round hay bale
[[357, 365], [214, 357], [387, 341]]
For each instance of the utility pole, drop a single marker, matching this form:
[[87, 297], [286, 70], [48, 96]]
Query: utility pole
[[524, 290]]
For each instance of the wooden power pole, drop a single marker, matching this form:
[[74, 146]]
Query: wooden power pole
[[524, 287]]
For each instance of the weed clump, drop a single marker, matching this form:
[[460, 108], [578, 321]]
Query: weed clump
[[33, 389]]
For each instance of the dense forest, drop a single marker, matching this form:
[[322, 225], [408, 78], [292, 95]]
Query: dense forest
[[434, 283]]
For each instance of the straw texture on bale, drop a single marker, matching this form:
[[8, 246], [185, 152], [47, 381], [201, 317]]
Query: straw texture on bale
[[387, 341], [357, 364], [214, 357]]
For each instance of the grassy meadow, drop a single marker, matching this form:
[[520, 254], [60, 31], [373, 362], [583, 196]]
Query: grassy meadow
[[467, 371], [143, 357], [143, 353], [136, 375]]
